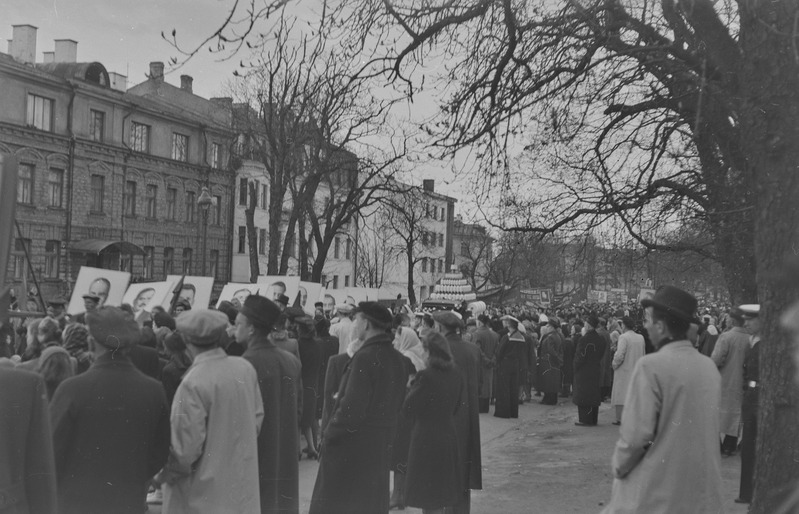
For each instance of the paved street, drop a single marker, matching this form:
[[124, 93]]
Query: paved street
[[541, 463]]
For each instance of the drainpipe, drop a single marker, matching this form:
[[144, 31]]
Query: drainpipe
[[70, 187]]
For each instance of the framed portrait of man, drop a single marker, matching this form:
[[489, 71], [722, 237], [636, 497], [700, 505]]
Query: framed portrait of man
[[144, 296], [195, 290], [272, 286], [236, 293], [108, 286], [309, 294]]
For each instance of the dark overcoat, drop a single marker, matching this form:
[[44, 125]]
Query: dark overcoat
[[110, 437], [487, 341], [280, 382], [146, 360], [467, 420], [335, 371], [568, 360], [607, 358], [433, 479], [588, 369], [509, 355], [551, 361], [27, 468], [311, 360], [329, 347], [353, 472]]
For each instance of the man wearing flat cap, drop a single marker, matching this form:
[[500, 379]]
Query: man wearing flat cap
[[56, 310], [667, 456], [110, 424], [208, 469], [353, 473], [281, 392], [467, 420]]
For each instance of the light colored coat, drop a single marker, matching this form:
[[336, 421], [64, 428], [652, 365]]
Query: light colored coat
[[667, 457], [342, 330], [729, 355], [216, 416], [629, 348]]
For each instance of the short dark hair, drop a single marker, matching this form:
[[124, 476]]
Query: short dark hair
[[678, 327], [593, 321], [428, 321]]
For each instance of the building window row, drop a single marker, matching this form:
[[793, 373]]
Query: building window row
[[429, 262]]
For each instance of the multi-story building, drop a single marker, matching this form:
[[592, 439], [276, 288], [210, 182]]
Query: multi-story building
[[110, 176], [473, 252]]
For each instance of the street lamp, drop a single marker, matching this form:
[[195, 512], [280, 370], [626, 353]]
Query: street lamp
[[205, 201]]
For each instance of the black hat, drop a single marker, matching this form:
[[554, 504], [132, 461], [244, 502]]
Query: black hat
[[737, 314], [292, 313], [90, 296], [674, 301], [261, 311], [283, 299], [375, 311], [58, 300], [318, 304]]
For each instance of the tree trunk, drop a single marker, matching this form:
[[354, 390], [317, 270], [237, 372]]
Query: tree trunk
[[411, 293], [252, 233], [319, 261], [770, 129], [275, 217], [291, 226]]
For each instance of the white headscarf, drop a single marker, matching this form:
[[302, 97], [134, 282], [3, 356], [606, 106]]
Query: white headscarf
[[408, 344]]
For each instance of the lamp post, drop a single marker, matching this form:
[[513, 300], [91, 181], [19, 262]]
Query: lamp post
[[204, 201]]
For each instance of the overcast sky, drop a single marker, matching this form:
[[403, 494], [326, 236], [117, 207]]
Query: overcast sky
[[125, 37]]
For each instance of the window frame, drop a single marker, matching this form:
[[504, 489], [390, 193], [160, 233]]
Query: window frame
[[180, 147], [172, 203], [186, 263], [148, 268], [95, 190], [32, 118], [191, 206], [151, 201], [242, 239], [169, 260], [140, 142], [129, 200], [30, 180], [52, 258], [94, 115]]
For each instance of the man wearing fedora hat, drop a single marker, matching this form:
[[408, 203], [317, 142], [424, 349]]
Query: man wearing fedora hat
[[467, 420], [353, 472], [208, 469], [281, 391], [110, 424], [667, 456]]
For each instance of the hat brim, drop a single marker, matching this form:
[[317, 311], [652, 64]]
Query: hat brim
[[649, 302]]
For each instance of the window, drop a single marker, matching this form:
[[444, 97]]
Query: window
[[440, 265], [191, 204], [443, 214], [323, 280], [214, 263], [125, 262], [424, 238], [243, 191], [424, 264], [152, 193], [346, 281], [96, 125], [217, 210], [426, 210], [40, 112], [180, 147], [441, 240], [130, 198], [171, 203], [51, 255], [98, 193], [242, 238], [140, 137], [20, 265], [336, 248], [262, 241], [263, 196], [187, 261], [423, 292], [335, 281], [149, 261], [55, 187], [169, 260], [25, 183], [348, 249], [216, 155]]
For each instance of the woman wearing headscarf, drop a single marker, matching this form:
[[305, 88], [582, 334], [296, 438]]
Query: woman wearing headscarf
[[76, 342], [41, 334], [408, 344], [55, 366], [509, 364], [433, 480]]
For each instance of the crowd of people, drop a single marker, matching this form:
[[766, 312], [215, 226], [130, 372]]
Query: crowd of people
[[211, 410]]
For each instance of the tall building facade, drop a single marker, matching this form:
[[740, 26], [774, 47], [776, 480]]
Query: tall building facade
[[472, 252], [110, 176]]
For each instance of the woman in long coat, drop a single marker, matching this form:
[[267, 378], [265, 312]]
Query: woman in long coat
[[551, 359], [588, 374], [433, 480], [509, 357]]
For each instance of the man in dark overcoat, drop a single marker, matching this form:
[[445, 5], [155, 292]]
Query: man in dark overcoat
[[27, 469], [281, 390], [356, 451], [487, 341], [588, 374], [110, 424], [467, 419]]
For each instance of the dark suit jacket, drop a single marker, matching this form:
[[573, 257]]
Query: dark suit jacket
[[588, 369], [146, 360], [110, 436], [27, 469]]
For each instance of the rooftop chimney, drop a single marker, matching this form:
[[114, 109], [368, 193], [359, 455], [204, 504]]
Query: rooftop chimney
[[428, 185], [22, 46], [157, 71], [48, 57], [66, 50], [118, 82], [186, 82]]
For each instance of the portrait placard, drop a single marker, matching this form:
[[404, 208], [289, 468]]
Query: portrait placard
[[196, 290], [108, 285], [237, 293]]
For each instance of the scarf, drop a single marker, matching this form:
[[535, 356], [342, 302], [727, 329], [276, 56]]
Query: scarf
[[408, 344]]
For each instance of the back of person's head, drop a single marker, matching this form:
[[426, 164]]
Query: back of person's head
[[55, 366], [322, 327], [592, 321], [439, 356], [174, 344], [428, 321], [229, 310], [677, 326]]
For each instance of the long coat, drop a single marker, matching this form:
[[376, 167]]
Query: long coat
[[335, 371], [467, 420], [27, 468], [509, 355], [281, 391], [353, 472], [667, 456], [729, 354], [568, 359], [110, 436], [311, 360], [434, 398], [487, 341], [551, 358], [629, 349], [329, 346], [607, 358], [588, 369], [216, 416]]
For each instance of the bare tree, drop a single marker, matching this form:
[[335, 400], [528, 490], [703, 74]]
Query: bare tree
[[373, 259]]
